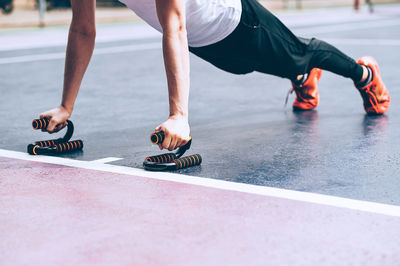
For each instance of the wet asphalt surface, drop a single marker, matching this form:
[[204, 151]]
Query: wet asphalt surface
[[238, 123]]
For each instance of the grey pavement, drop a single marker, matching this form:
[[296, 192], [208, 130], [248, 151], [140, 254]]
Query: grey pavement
[[239, 124]]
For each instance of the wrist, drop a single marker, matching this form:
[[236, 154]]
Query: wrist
[[176, 116], [176, 110], [67, 108]]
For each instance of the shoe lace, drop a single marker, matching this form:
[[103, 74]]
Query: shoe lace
[[369, 97]]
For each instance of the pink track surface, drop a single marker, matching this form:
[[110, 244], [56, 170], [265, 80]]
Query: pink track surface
[[58, 215]]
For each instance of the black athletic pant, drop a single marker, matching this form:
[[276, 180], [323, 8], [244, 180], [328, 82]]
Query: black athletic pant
[[263, 43]]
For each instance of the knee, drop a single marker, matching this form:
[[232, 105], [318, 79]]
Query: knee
[[315, 44]]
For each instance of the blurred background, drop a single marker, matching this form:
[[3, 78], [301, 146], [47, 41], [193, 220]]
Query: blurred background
[[25, 13]]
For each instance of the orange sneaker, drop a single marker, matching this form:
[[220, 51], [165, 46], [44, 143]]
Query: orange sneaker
[[375, 95], [307, 96]]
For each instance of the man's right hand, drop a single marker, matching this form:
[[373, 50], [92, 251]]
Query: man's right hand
[[57, 119]]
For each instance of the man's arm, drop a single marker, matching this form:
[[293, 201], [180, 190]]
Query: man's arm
[[81, 40], [172, 17]]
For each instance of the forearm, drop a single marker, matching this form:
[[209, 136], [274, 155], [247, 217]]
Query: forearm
[[79, 51], [172, 17], [176, 59]]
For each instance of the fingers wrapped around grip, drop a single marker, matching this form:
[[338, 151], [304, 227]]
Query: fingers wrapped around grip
[[157, 137], [40, 123], [188, 161], [43, 123]]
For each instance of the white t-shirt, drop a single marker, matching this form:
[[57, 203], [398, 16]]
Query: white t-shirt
[[207, 21]]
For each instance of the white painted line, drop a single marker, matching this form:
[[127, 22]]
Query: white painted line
[[99, 51], [107, 160], [358, 205]]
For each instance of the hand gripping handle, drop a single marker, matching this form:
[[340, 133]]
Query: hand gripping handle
[[54, 146], [170, 161], [157, 137], [44, 122], [40, 123]]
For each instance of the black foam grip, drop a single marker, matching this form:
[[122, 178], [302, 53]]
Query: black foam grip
[[32, 149], [162, 158], [69, 146], [188, 161], [40, 123], [157, 137], [46, 143]]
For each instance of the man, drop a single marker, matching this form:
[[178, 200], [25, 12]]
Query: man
[[239, 36]]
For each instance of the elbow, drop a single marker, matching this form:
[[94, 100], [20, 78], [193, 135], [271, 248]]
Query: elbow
[[178, 31], [88, 31], [175, 27], [180, 27]]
